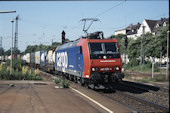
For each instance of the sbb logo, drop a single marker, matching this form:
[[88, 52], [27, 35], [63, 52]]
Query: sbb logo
[[62, 59]]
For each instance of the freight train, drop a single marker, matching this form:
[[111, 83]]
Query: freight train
[[88, 60], [91, 59]]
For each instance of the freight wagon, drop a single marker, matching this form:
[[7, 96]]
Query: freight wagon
[[32, 59], [40, 59], [50, 61]]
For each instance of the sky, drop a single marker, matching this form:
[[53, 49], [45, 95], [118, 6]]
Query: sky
[[41, 22]]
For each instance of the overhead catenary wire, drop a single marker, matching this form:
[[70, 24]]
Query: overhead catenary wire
[[102, 13], [109, 9]]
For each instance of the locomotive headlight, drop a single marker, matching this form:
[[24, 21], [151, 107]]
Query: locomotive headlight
[[94, 69], [116, 68]]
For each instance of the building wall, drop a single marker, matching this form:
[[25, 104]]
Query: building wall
[[134, 36], [147, 28], [120, 32]]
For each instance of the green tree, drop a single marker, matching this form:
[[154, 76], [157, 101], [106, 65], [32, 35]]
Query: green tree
[[8, 52], [17, 51], [1, 51], [161, 40], [41, 47], [133, 49], [152, 44]]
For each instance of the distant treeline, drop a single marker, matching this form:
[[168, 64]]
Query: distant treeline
[[32, 48]]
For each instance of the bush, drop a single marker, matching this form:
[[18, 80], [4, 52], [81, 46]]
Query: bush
[[57, 81], [19, 73], [66, 84], [4, 75], [132, 63], [63, 82], [149, 64], [17, 65]]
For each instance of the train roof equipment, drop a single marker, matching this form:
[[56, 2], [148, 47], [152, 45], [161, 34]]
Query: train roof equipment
[[85, 29]]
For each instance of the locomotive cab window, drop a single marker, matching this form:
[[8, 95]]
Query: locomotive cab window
[[98, 50], [111, 48]]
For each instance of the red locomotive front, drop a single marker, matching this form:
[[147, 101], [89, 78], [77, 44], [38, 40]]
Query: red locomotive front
[[102, 61]]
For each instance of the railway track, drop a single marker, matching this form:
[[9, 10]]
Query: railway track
[[135, 100], [148, 88], [137, 104], [153, 86], [138, 97]]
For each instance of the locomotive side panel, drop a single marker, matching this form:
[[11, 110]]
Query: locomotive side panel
[[70, 61], [80, 61], [61, 61], [86, 57]]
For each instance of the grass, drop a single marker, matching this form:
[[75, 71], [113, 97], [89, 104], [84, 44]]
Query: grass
[[142, 69], [146, 69], [148, 79], [156, 79], [160, 79], [63, 82]]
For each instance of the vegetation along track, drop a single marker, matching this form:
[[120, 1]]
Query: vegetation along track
[[138, 97]]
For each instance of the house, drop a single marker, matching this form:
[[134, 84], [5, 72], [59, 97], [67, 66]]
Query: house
[[152, 25], [160, 23], [122, 31], [136, 30], [149, 27], [132, 30]]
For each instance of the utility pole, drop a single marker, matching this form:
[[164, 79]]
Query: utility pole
[[167, 62], [126, 44], [12, 37], [16, 37], [11, 48], [153, 62], [142, 53], [143, 45], [160, 59], [1, 42], [1, 50]]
